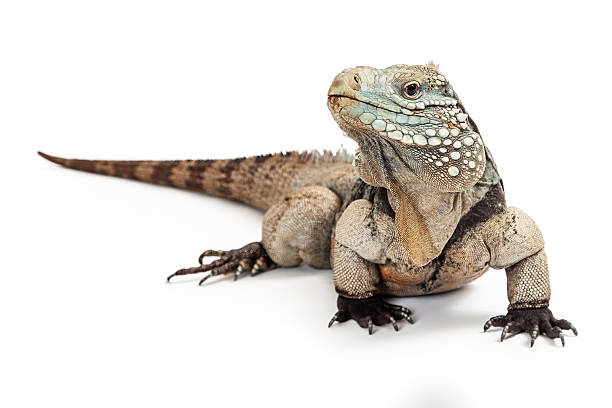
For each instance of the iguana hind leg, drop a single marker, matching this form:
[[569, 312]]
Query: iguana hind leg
[[297, 229]]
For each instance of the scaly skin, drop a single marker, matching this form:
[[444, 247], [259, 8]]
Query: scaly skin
[[423, 210], [449, 221], [259, 181]]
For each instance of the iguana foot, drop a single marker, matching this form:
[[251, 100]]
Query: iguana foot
[[534, 321], [251, 257], [369, 312]]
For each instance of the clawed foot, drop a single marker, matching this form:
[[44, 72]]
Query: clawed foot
[[251, 257], [534, 321], [369, 312]]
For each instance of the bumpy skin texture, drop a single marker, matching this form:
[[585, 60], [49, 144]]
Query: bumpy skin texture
[[450, 218], [421, 211], [297, 229]]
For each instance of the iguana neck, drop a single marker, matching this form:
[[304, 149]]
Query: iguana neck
[[425, 216]]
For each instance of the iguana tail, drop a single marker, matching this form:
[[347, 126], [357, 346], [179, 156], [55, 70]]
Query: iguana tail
[[259, 181]]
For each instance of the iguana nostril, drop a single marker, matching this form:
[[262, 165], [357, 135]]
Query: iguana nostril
[[345, 81]]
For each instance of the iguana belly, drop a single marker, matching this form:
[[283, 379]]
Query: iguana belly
[[459, 264]]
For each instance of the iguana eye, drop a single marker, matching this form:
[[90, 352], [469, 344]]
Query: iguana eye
[[411, 89]]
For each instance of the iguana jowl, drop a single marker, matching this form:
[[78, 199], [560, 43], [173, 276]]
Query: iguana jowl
[[421, 211]]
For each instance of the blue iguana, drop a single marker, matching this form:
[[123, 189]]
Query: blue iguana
[[419, 209]]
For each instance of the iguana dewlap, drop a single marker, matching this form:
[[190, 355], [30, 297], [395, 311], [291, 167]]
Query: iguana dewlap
[[422, 209]]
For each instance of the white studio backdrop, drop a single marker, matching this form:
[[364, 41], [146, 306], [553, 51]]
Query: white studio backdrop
[[87, 318]]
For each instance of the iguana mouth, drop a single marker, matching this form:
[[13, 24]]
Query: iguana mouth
[[410, 119], [331, 99]]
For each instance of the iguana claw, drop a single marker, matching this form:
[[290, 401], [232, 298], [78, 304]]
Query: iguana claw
[[204, 279], [504, 332], [534, 334], [333, 319], [393, 323], [489, 322]]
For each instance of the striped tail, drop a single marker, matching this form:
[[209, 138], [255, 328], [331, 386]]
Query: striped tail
[[259, 181]]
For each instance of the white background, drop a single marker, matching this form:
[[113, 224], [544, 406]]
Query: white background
[[87, 318]]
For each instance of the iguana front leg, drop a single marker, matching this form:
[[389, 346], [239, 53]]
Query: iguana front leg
[[516, 244], [359, 244]]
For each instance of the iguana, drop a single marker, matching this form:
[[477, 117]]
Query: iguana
[[420, 209]]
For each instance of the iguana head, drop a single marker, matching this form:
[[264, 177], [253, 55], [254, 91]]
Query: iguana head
[[407, 119]]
